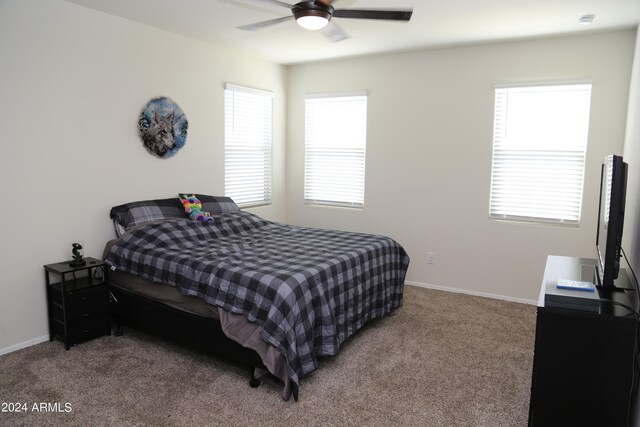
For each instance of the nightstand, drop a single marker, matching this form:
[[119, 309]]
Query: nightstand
[[77, 301]]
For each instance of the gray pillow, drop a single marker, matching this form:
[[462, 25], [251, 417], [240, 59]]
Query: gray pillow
[[132, 214], [217, 204]]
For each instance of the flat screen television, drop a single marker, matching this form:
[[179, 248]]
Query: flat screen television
[[613, 189]]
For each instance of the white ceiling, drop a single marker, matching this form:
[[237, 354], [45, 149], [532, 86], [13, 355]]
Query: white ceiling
[[434, 23]]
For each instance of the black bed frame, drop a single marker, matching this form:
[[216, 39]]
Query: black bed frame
[[199, 333]]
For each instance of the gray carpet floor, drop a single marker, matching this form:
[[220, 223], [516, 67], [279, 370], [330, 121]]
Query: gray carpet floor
[[444, 359]]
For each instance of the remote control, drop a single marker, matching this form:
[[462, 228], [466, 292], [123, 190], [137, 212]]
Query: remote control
[[576, 285]]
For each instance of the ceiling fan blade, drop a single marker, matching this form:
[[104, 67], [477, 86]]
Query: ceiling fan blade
[[334, 33], [390, 14], [264, 24], [276, 2]]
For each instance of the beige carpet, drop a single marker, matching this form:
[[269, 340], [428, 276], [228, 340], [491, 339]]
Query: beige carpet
[[444, 360]]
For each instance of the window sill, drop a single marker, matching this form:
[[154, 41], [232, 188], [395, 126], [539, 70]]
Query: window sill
[[533, 221]]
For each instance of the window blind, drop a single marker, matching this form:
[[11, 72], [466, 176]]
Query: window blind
[[335, 142], [247, 141], [539, 149]]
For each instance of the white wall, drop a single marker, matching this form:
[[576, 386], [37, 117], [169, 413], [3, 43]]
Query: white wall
[[631, 236], [72, 83], [429, 149]]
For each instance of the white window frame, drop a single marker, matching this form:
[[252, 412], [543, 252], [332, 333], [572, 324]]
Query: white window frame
[[248, 139], [335, 149], [539, 152]]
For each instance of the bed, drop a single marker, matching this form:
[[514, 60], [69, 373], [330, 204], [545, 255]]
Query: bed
[[268, 295]]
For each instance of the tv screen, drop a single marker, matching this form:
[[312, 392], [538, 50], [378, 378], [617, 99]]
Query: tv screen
[[613, 188]]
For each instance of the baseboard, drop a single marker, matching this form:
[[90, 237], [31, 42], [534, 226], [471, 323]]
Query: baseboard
[[24, 344], [475, 293]]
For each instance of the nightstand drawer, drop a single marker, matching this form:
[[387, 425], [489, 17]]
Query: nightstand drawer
[[88, 314], [91, 329], [82, 313], [84, 297], [95, 327]]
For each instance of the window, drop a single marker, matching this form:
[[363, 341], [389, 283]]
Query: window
[[335, 141], [539, 148], [248, 116]]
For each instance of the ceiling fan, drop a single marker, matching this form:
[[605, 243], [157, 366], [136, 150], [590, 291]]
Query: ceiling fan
[[317, 14]]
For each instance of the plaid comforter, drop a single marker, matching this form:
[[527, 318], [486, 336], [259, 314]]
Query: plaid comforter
[[309, 289]]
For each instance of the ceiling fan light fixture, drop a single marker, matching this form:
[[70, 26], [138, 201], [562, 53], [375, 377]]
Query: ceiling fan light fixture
[[312, 22], [312, 19]]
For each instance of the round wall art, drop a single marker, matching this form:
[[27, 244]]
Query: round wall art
[[163, 127]]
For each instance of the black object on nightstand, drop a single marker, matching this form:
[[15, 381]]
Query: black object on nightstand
[[77, 301]]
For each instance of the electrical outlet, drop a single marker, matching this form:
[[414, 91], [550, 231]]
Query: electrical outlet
[[431, 257]]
